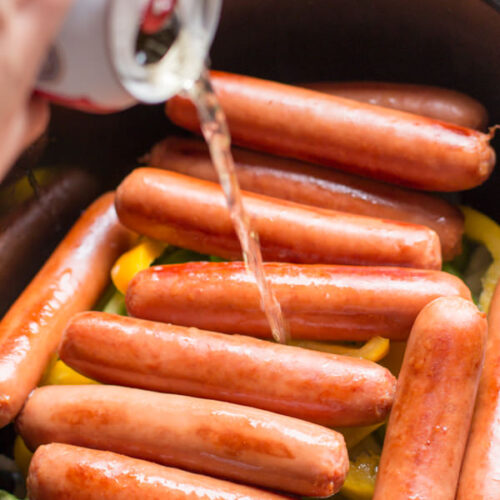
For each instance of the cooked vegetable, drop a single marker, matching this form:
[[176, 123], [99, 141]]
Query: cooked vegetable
[[138, 258], [62, 374], [484, 230], [363, 467], [374, 350]]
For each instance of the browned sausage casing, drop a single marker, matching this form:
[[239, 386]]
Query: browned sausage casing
[[62, 472], [480, 477], [435, 102], [311, 185], [192, 213], [430, 419], [220, 439], [30, 232], [319, 302], [323, 388], [70, 281], [377, 142]]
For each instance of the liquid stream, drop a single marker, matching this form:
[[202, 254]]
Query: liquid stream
[[216, 133]]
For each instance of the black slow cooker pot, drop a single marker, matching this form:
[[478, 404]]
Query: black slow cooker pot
[[451, 43]]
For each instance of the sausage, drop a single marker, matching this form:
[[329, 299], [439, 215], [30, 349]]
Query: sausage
[[192, 213], [323, 388], [62, 472], [311, 185], [69, 282], [319, 302], [430, 419], [29, 233], [434, 102], [479, 479], [385, 144], [214, 438]]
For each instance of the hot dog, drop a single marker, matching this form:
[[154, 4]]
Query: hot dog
[[192, 213], [62, 472], [377, 142], [70, 281], [479, 479], [311, 185], [323, 388], [220, 439], [430, 419], [319, 302], [30, 232], [435, 102]]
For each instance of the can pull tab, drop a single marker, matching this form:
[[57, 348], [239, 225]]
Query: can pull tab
[[156, 14]]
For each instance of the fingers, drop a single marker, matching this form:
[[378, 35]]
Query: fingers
[[27, 28]]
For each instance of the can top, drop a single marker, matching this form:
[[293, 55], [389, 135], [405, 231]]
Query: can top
[[181, 49]]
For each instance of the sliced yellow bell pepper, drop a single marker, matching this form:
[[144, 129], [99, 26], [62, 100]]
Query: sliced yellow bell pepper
[[138, 258], [22, 190], [374, 350], [481, 228], [363, 466], [489, 281], [22, 456], [354, 435], [62, 374]]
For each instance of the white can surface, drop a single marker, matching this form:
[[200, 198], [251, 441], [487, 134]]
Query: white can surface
[[97, 65]]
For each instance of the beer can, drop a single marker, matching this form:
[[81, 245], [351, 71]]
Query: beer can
[[102, 61]]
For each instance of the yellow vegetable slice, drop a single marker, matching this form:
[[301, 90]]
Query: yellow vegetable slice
[[135, 260], [62, 374], [22, 456], [374, 350], [363, 466], [354, 435], [489, 281], [22, 190], [481, 228]]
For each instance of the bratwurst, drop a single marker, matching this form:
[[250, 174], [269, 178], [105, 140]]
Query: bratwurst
[[430, 419], [62, 472], [193, 214], [301, 182], [320, 302], [373, 141], [323, 388], [214, 438], [70, 281]]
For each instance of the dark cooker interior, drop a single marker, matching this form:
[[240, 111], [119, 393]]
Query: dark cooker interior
[[452, 43]]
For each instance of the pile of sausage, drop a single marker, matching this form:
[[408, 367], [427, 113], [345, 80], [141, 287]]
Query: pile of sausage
[[191, 412]]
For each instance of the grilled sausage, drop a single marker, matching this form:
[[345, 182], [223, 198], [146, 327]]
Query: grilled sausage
[[323, 388], [62, 472], [319, 302], [377, 142], [29, 233], [480, 477], [311, 185], [220, 439], [430, 419], [70, 281], [192, 213], [435, 102]]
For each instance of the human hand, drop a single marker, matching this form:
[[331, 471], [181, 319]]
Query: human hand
[[27, 28]]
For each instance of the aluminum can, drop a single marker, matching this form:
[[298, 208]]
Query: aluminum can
[[96, 63]]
